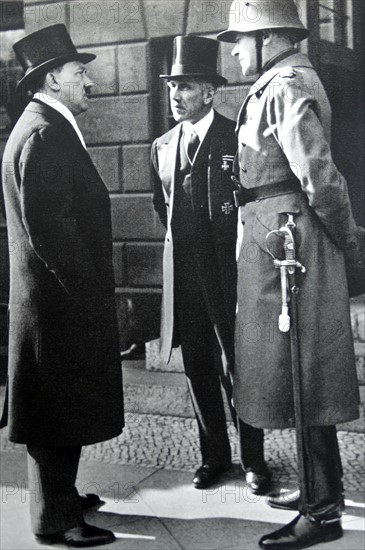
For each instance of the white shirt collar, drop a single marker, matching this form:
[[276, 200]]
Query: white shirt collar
[[62, 109], [200, 128]]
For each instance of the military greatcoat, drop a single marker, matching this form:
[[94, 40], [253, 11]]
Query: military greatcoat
[[284, 133], [65, 382]]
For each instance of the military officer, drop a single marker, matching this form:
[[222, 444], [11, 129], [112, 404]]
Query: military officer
[[193, 197], [285, 166]]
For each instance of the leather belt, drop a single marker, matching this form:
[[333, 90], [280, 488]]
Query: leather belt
[[242, 195]]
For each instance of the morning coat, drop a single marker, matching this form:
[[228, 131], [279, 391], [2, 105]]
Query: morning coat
[[65, 382], [284, 133], [216, 227]]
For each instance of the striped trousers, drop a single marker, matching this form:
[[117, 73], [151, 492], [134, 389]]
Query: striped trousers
[[54, 501]]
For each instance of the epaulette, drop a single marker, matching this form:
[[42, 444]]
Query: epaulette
[[288, 72]]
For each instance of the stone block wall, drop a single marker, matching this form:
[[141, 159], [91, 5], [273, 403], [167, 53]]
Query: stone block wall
[[118, 129], [118, 126]]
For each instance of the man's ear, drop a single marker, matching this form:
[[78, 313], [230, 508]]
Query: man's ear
[[267, 37], [209, 93], [52, 82]]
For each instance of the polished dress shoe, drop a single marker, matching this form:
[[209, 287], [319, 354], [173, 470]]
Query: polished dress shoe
[[289, 500], [302, 532], [259, 480], [208, 474], [286, 500], [89, 501], [79, 537]]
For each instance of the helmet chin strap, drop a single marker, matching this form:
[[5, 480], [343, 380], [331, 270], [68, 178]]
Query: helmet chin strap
[[258, 37]]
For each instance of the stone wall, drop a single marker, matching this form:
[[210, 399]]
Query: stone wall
[[118, 126], [118, 129]]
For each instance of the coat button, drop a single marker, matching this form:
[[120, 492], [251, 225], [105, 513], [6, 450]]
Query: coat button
[[244, 170]]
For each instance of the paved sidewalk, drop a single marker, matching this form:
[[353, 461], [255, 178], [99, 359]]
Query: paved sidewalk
[[170, 442], [144, 477]]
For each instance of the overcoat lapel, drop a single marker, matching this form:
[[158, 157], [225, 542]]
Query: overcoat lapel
[[63, 125], [297, 60], [256, 90], [167, 154], [242, 112]]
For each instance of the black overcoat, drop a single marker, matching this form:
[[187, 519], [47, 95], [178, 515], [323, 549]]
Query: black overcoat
[[65, 382], [217, 237]]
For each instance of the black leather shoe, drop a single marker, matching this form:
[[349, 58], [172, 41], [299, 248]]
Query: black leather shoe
[[286, 500], [302, 532], [259, 481], [79, 537], [208, 474], [89, 501], [289, 500]]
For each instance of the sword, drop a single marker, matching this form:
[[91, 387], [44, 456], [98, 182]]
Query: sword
[[288, 323]]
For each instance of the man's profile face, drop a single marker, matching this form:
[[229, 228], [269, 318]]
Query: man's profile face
[[74, 85], [245, 50], [188, 99]]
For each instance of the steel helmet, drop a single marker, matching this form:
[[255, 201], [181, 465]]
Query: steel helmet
[[257, 15]]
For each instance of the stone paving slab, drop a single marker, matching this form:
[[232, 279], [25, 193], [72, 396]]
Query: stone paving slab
[[159, 508], [168, 442]]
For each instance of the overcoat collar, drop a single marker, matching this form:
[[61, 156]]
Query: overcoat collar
[[55, 118], [62, 109], [278, 58], [293, 61], [167, 160]]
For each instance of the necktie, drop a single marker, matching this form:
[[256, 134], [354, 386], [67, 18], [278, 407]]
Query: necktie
[[193, 145]]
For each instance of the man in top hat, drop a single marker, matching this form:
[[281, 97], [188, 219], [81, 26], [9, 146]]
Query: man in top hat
[[285, 167], [192, 168], [65, 384]]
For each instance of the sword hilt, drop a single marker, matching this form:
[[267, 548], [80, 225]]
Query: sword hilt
[[284, 319], [287, 267]]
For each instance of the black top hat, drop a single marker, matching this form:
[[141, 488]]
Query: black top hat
[[195, 56], [44, 49]]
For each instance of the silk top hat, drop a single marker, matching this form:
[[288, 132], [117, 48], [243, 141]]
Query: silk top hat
[[259, 15], [44, 49], [195, 56]]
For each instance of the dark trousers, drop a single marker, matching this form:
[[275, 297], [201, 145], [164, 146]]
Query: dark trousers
[[202, 356], [54, 501], [324, 472]]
